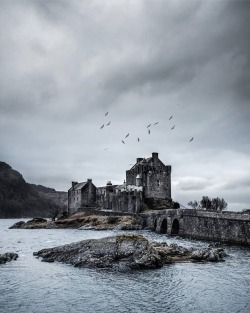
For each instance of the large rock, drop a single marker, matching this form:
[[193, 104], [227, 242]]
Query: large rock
[[210, 254], [7, 257], [36, 222], [119, 252], [128, 251]]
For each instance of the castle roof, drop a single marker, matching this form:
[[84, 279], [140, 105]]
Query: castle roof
[[78, 186], [144, 161]]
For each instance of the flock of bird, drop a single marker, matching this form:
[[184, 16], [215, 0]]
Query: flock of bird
[[148, 127]]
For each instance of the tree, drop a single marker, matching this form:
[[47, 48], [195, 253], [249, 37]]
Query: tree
[[195, 205], [206, 203], [214, 204]]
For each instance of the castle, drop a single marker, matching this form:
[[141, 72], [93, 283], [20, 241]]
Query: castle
[[148, 180]]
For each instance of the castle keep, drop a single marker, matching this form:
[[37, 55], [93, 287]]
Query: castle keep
[[147, 179]]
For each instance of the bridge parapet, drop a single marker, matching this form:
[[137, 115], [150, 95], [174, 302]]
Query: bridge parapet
[[228, 227]]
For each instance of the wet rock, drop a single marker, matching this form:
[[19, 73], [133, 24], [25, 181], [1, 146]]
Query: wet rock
[[211, 255], [36, 222], [18, 225], [7, 257], [214, 245], [127, 251], [118, 252]]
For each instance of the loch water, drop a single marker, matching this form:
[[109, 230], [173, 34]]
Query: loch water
[[29, 285]]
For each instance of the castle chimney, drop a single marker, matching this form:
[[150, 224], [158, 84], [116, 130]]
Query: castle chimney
[[139, 160], [89, 180], [155, 157], [74, 183]]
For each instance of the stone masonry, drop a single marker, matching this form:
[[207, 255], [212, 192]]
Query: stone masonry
[[147, 179]]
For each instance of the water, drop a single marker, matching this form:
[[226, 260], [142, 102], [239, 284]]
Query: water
[[29, 285]]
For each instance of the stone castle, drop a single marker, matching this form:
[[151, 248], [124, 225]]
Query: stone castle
[[147, 182]]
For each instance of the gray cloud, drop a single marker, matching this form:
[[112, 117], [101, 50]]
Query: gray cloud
[[65, 63]]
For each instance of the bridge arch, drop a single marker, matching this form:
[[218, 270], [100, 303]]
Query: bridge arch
[[175, 227], [164, 226], [155, 225]]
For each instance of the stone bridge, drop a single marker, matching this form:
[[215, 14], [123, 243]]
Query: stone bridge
[[228, 227]]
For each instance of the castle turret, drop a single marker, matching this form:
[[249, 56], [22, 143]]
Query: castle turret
[[138, 180], [109, 186]]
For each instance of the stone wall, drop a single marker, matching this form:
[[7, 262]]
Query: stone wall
[[88, 195], [74, 201], [127, 201], [224, 227], [158, 184], [152, 175], [81, 197]]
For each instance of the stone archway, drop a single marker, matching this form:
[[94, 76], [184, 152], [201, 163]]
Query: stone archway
[[164, 226], [175, 227]]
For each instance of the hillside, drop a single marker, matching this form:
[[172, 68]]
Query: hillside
[[20, 199]]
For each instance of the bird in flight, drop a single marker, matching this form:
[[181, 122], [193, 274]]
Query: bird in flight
[[149, 131], [108, 123], [156, 123], [170, 117], [102, 126], [127, 135], [148, 125], [123, 142], [173, 127], [106, 149], [138, 139], [106, 113], [191, 139]]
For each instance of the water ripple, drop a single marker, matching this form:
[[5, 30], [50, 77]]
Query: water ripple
[[29, 285]]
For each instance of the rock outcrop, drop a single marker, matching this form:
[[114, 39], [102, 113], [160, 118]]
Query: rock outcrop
[[7, 257], [85, 221], [122, 252]]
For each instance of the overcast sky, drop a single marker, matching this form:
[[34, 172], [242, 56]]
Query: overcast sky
[[64, 64]]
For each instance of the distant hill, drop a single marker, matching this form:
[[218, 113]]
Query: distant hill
[[21, 199]]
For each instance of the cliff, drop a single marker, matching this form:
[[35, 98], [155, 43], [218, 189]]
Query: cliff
[[20, 199]]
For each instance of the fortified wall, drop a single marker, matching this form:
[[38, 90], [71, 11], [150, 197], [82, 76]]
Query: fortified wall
[[196, 224], [148, 180]]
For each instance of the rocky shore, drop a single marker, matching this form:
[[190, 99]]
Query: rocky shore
[[7, 257], [85, 221], [130, 251]]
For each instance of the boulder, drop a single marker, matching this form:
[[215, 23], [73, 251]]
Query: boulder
[[18, 225], [209, 254], [7, 257], [36, 222]]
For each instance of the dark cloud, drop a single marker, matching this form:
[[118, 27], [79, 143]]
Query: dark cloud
[[64, 64]]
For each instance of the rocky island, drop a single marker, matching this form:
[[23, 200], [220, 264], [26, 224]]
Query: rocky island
[[84, 221], [126, 251]]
